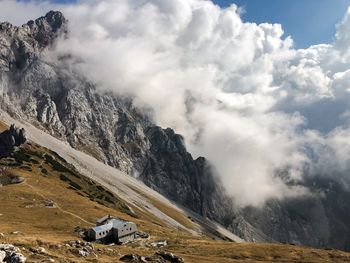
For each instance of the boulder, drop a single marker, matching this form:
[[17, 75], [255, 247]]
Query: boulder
[[16, 258], [83, 253], [159, 244], [133, 258], [10, 139], [170, 257], [140, 234], [2, 256], [10, 254]]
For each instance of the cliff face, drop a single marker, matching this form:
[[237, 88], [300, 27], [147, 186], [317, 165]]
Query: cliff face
[[319, 220], [111, 129]]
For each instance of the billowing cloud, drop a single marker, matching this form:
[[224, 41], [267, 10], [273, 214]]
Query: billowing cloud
[[239, 92]]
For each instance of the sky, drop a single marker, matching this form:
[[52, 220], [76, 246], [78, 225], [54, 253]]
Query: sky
[[264, 113], [309, 22]]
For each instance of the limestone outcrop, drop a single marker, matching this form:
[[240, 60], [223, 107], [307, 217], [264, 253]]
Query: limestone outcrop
[[11, 254], [10, 139]]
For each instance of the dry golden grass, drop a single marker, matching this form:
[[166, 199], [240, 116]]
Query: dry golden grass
[[2, 126], [79, 201]]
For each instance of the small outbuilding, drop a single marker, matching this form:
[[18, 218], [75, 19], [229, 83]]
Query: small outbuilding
[[112, 230]]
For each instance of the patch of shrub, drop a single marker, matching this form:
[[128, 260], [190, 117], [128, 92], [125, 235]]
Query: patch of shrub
[[33, 161], [55, 164], [75, 185], [109, 193], [107, 199], [64, 178], [99, 187], [21, 157]]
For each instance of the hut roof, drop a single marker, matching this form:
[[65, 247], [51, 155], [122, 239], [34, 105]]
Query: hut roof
[[103, 219], [102, 228]]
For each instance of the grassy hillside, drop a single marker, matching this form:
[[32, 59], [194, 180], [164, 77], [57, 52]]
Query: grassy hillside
[[54, 201]]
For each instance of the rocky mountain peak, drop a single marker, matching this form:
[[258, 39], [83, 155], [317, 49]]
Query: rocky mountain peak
[[55, 19], [45, 28], [21, 45]]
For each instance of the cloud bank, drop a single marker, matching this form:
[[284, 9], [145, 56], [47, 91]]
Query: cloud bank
[[263, 113]]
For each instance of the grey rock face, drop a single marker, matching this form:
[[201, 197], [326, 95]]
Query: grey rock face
[[321, 220], [111, 129], [10, 139], [171, 170]]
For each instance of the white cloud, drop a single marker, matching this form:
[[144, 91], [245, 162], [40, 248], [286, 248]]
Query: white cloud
[[256, 104]]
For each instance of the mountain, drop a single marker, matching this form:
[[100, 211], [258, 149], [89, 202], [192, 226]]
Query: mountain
[[109, 128], [103, 125]]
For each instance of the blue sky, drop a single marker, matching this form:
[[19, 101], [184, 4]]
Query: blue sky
[[307, 21]]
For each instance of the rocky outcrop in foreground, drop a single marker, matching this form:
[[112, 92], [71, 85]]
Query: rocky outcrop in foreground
[[10, 139], [158, 257], [11, 254]]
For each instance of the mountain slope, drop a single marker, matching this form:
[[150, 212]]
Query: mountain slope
[[130, 190], [45, 212]]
